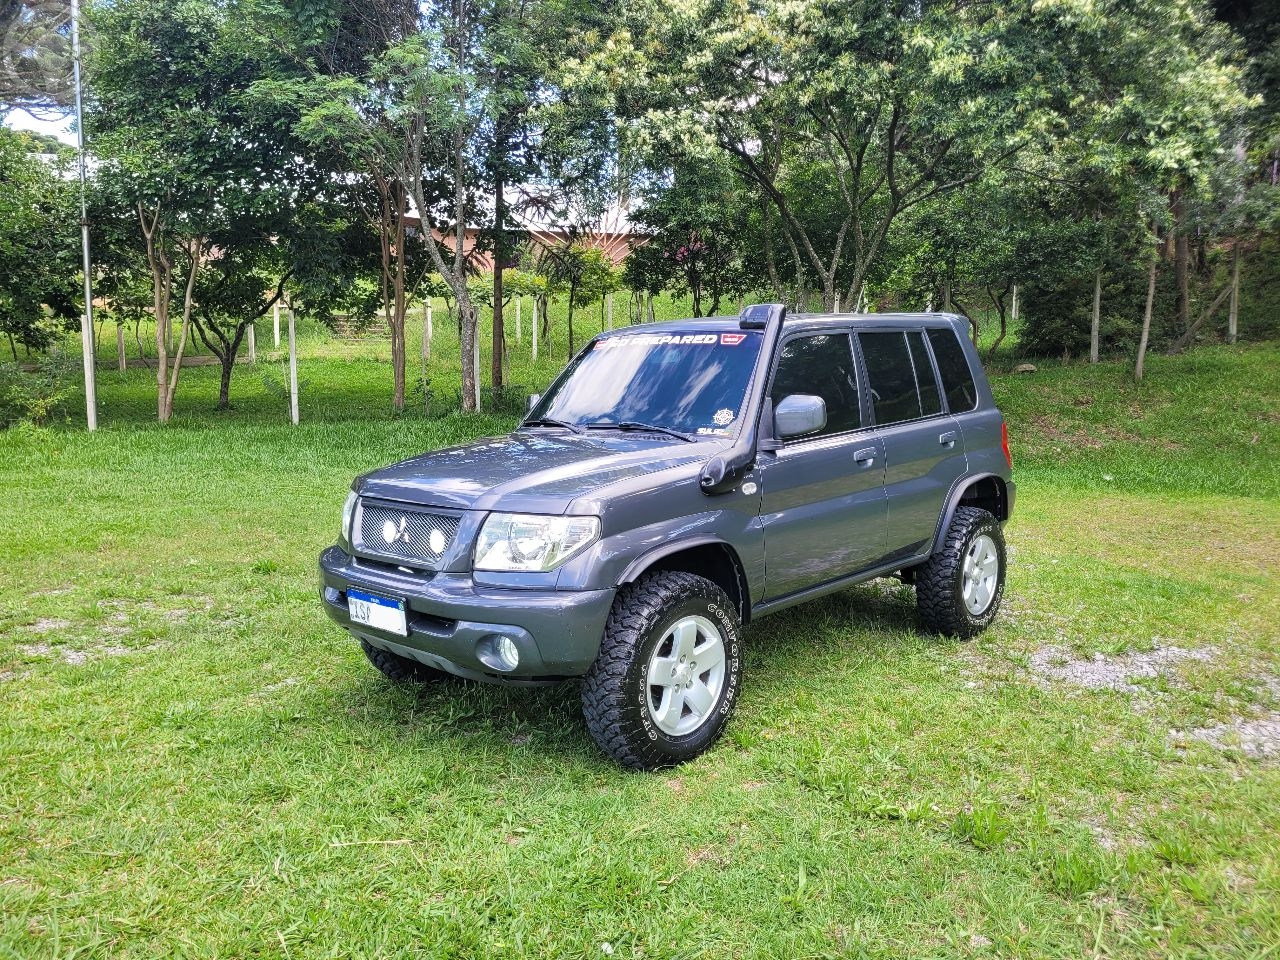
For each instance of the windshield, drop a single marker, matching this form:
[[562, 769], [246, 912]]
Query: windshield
[[694, 383]]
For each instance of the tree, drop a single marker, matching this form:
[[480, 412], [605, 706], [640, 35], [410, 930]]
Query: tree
[[39, 245], [533, 129], [212, 179], [700, 223], [858, 111]]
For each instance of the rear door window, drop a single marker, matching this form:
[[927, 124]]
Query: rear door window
[[930, 403], [821, 365], [957, 378], [890, 376]]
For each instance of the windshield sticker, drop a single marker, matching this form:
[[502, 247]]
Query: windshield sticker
[[723, 417], [713, 432], [732, 339], [657, 339]]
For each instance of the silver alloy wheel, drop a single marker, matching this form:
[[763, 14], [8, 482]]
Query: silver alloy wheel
[[981, 572], [686, 675]]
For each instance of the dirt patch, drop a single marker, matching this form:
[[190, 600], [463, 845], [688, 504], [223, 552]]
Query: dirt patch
[[65, 654], [148, 611], [77, 658], [1058, 665], [1056, 433], [1258, 737], [47, 625]]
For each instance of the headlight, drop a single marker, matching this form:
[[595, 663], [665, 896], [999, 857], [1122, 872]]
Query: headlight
[[522, 541], [348, 511]]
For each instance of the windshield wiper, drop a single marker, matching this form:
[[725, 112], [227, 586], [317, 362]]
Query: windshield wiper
[[551, 422], [636, 426]]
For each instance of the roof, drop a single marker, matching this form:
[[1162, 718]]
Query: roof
[[809, 320]]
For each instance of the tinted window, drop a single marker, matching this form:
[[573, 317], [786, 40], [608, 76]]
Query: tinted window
[[925, 380], [890, 376], [957, 380], [821, 366], [695, 382]]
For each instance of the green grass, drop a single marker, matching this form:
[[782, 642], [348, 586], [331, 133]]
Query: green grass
[[196, 763]]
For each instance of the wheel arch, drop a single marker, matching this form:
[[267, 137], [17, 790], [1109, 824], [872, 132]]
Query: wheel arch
[[707, 557], [988, 491]]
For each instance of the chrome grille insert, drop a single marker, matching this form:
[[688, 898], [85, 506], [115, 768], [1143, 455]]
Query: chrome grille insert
[[420, 537]]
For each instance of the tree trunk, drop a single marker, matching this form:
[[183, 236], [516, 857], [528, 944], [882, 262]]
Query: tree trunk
[[1146, 321], [499, 251], [771, 263], [998, 301], [1095, 327], [1184, 341], [399, 304], [1182, 262], [224, 381], [1234, 312]]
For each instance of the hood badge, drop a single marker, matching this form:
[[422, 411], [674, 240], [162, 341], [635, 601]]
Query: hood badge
[[749, 488]]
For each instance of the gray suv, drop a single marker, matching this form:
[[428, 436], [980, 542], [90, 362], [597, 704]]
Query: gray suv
[[676, 482]]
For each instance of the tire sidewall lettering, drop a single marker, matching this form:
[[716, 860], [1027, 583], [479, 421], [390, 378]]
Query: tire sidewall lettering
[[693, 743]]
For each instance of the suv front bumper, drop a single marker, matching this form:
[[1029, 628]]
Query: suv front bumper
[[557, 632]]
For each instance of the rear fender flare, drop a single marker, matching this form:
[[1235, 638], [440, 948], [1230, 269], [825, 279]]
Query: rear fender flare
[[953, 501]]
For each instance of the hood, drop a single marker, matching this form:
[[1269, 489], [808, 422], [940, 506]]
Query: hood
[[530, 472]]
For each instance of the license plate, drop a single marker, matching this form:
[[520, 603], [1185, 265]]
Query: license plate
[[377, 612]]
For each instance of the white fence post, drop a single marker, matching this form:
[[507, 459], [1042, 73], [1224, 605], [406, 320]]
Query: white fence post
[[426, 331], [253, 342], [293, 370], [535, 330], [90, 383], [121, 362]]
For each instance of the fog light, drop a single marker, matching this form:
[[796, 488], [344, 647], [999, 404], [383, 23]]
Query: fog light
[[506, 650], [499, 652]]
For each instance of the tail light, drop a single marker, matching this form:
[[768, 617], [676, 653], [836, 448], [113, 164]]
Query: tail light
[[1004, 443]]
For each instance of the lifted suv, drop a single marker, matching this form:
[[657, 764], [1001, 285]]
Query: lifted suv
[[675, 482]]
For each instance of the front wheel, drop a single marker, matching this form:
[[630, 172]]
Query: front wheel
[[668, 673], [959, 588]]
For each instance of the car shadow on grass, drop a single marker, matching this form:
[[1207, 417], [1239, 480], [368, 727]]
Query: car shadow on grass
[[877, 621]]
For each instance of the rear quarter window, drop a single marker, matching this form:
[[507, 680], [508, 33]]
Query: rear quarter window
[[953, 366]]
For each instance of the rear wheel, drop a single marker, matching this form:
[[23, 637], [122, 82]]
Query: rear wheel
[[668, 673], [398, 668], [959, 588]]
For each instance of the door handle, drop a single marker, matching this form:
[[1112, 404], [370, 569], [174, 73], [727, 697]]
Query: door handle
[[865, 457], [947, 439]]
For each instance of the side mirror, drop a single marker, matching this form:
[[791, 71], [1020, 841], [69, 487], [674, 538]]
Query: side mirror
[[533, 402], [799, 414]]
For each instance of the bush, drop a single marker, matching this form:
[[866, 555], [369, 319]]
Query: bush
[[35, 396], [1058, 311]]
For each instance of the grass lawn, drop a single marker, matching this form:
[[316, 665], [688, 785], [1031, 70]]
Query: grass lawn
[[194, 762]]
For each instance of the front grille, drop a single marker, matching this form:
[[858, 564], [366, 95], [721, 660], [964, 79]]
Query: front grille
[[422, 538]]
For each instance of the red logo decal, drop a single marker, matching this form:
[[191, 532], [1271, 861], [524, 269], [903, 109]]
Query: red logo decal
[[732, 339]]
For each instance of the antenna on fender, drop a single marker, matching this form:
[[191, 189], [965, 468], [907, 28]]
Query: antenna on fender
[[723, 472]]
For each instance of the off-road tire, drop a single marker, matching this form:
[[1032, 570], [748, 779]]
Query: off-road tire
[[940, 579], [400, 669], [615, 690]]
